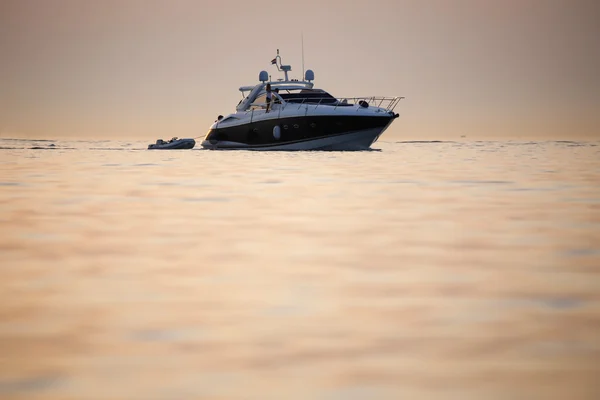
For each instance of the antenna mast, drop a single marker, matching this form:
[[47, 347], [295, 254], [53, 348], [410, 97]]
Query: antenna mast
[[302, 36]]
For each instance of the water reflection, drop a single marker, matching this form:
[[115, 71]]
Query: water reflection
[[402, 273]]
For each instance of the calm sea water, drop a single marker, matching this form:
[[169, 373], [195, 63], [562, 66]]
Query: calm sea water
[[427, 270]]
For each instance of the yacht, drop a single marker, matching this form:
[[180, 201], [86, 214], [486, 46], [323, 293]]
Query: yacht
[[300, 117]]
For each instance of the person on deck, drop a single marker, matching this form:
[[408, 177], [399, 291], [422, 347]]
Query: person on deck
[[269, 96]]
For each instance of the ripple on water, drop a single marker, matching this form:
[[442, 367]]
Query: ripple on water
[[582, 252], [562, 302], [425, 141], [206, 199], [355, 392], [555, 303], [22, 386], [271, 181], [43, 236], [482, 182], [533, 189], [584, 200], [161, 335]]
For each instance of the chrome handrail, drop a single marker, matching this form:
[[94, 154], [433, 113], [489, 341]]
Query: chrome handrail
[[387, 103]]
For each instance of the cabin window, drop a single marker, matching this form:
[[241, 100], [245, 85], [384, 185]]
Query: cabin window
[[309, 96], [259, 103]]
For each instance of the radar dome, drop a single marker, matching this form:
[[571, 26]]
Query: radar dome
[[310, 75], [263, 76]]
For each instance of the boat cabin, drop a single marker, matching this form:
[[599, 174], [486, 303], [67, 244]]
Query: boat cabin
[[286, 90]]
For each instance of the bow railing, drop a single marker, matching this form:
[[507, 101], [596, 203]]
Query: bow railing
[[387, 103]]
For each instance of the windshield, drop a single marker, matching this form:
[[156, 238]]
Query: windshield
[[257, 97]]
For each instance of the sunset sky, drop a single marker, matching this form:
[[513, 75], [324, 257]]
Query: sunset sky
[[161, 68]]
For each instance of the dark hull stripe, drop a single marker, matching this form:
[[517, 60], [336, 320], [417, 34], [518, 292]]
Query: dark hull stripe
[[351, 141], [295, 129], [279, 143]]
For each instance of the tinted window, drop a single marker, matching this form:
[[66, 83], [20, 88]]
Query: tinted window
[[309, 96]]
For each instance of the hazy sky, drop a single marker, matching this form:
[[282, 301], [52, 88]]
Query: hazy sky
[[162, 68]]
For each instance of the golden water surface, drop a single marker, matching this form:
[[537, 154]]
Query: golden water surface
[[434, 270]]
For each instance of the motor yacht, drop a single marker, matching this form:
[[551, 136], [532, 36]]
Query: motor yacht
[[300, 117]]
